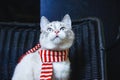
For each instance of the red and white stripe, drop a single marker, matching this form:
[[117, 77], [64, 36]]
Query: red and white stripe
[[48, 57], [53, 56]]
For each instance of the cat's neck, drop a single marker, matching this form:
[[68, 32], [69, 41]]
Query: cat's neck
[[53, 56], [57, 49]]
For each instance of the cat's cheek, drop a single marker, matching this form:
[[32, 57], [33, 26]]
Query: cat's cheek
[[71, 35], [62, 35], [51, 36]]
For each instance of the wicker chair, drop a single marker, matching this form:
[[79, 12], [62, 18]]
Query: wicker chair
[[87, 54]]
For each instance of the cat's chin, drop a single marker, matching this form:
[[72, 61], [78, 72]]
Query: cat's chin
[[59, 47], [56, 41]]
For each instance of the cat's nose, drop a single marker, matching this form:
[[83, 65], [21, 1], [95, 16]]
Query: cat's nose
[[57, 32]]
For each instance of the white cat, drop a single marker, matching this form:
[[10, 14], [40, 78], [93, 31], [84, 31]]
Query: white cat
[[56, 36]]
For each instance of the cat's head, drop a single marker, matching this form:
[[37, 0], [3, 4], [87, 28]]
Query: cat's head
[[56, 35]]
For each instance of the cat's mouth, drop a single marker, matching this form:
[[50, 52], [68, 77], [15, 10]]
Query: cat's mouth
[[56, 39], [57, 36]]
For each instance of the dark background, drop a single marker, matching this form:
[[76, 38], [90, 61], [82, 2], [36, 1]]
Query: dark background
[[19, 10], [108, 11]]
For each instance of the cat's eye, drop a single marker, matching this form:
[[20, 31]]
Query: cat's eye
[[62, 28], [49, 29]]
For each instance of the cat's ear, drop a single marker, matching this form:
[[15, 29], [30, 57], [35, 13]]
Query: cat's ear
[[67, 20], [43, 22]]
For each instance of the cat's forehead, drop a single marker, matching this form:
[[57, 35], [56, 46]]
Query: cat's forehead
[[56, 24]]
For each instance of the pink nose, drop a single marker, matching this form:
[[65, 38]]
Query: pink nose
[[57, 32]]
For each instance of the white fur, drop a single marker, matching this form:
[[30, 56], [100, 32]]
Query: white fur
[[30, 66]]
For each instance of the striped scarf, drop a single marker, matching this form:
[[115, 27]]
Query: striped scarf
[[47, 58]]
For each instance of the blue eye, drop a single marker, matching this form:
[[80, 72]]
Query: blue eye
[[49, 29], [62, 28]]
